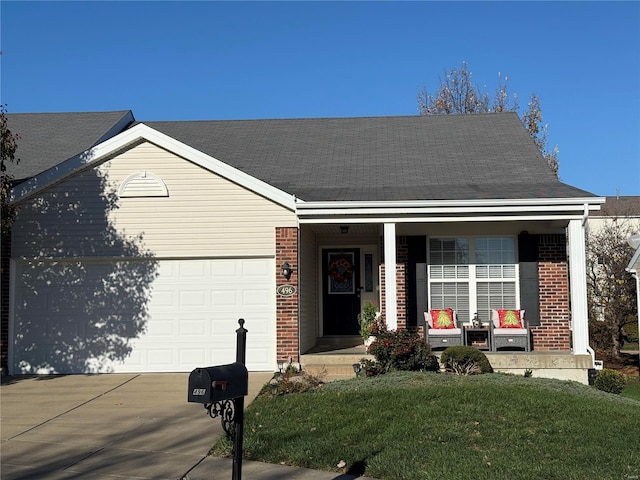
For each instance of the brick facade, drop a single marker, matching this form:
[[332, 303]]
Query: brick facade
[[287, 343], [402, 258], [554, 330]]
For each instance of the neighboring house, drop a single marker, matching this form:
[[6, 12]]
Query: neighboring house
[[624, 208], [625, 212], [139, 245]]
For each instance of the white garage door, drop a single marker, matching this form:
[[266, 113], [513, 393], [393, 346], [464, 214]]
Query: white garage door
[[141, 315]]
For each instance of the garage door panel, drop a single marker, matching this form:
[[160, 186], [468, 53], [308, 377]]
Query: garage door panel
[[225, 298], [256, 298], [161, 357], [194, 299], [197, 328], [163, 297], [224, 355], [255, 269], [194, 269], [262, 354], [194, 356], [75, 318], [160, 328], [226, 269], [258, 328]]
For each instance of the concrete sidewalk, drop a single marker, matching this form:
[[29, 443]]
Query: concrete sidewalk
[[118, 426]]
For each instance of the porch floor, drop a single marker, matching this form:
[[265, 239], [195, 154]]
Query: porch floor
[[338, 343]]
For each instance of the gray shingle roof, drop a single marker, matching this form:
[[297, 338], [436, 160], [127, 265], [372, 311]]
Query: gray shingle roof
[[628, 206], [441, 157], [437, 157], [47, 139]]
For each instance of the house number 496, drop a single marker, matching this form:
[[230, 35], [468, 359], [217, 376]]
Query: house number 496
[[286, 290]]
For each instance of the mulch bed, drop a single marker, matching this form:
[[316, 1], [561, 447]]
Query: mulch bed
[[627, 363]]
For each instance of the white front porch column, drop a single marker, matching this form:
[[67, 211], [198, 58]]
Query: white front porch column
[[578, 286], [390, 287]]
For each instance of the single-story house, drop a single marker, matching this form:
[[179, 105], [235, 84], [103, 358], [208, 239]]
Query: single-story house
[[138, 245]]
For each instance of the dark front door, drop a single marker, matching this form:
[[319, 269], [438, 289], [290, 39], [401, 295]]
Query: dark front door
[[341, 291]]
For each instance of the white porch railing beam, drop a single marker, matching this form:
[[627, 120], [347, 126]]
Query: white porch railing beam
[[390, 286], [578, 287]]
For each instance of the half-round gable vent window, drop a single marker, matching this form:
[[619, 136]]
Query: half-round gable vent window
[[143, 184]]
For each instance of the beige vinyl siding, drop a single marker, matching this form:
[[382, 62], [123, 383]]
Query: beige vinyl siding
[[309, 320], [204, 214]]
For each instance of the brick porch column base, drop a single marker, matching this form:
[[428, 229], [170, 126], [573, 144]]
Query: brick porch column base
[[554, 332]]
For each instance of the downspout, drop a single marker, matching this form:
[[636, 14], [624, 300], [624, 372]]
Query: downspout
[[299, 240], [597, 364], [299, 276]]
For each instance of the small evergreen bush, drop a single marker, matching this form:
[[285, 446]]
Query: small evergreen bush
[[463, 359], [610, 381], [402, 350]]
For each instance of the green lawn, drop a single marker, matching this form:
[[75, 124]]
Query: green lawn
[[632, 389], [435, 426]]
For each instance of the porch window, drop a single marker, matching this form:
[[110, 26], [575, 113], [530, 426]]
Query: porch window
[[475, 274]]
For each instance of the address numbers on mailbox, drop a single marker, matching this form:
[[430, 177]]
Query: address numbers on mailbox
[[286, 290]]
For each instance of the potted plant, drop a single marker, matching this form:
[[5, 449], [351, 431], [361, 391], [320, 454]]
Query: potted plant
[[368, 321]]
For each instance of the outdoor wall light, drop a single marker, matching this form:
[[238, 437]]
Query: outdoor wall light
[[344, 228], [286, 270]]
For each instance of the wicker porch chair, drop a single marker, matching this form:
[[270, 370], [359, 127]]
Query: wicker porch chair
[[441, 338], [517, 337]]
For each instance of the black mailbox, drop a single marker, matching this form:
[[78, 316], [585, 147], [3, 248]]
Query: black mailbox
[[215, 384]]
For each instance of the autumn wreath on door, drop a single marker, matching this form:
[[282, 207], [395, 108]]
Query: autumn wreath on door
[[341, 273]]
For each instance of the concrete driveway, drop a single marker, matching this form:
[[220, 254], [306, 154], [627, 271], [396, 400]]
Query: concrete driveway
[[106, 426]]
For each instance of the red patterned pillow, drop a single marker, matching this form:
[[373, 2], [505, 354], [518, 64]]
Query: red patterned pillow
[[442, 318], [509, 319]]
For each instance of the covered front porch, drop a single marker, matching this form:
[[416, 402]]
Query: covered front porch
[[470, 261]]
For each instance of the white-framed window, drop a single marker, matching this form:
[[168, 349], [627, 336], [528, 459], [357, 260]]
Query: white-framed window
[[473, 274]]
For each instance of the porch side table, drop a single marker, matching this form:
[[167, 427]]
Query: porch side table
[[479, 338]]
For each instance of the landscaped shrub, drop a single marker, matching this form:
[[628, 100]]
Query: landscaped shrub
[[465, 360], [610, 381], [293, 380], [402, 350]]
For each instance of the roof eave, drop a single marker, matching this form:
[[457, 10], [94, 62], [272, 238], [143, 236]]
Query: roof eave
[[450, 210]]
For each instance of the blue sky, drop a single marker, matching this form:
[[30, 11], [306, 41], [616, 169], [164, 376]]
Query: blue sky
[[231, 60]]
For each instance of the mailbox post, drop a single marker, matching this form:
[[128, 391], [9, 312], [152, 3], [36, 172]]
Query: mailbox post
[[222, 390]]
